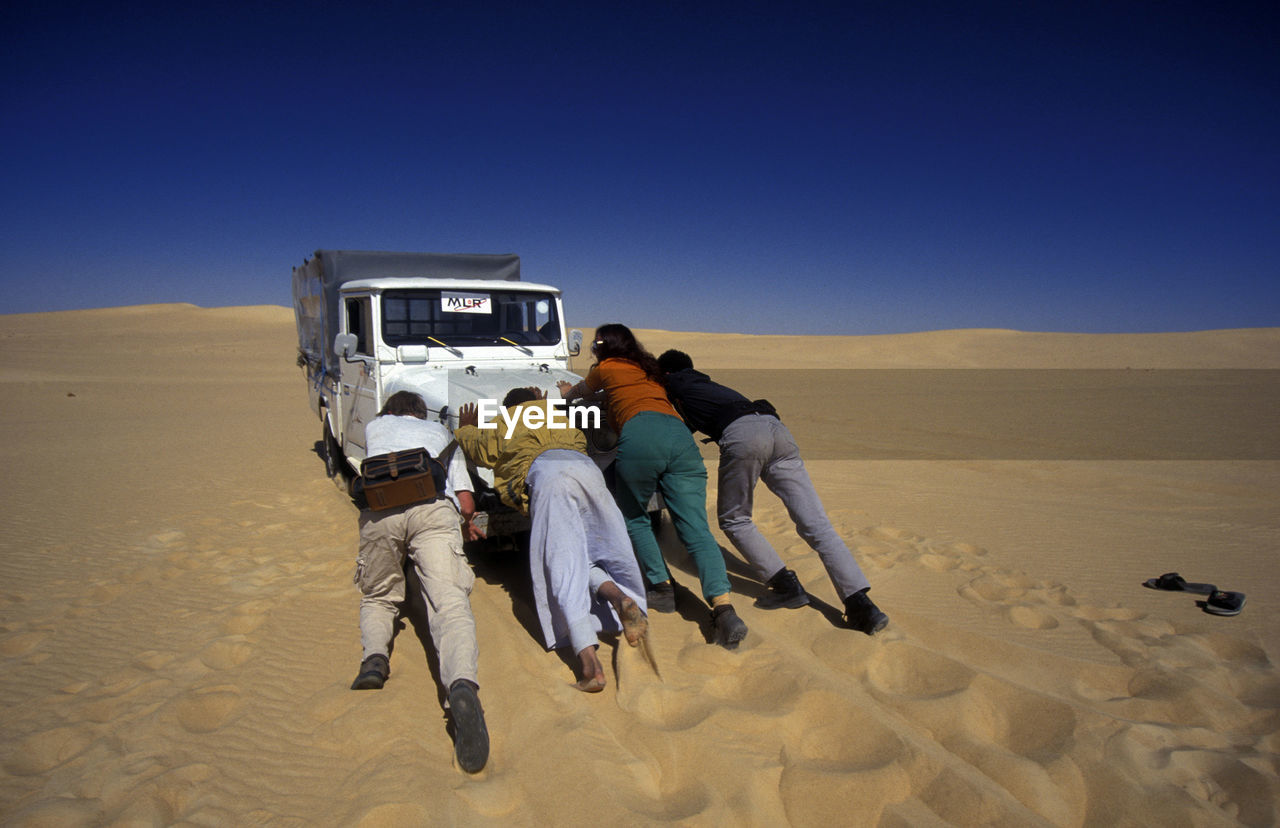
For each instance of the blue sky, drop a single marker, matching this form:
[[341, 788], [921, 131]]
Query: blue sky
[[850, 168]]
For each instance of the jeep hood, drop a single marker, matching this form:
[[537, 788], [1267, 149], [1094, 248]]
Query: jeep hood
[[451, 388]]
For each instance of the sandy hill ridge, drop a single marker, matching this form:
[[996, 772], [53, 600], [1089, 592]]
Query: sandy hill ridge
[[978, 348], [178, 623]]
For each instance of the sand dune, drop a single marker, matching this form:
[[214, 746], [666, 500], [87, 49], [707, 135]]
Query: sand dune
[[178, 624], [1251, 348]]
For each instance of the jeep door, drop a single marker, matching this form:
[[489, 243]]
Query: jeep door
[[359, 381]]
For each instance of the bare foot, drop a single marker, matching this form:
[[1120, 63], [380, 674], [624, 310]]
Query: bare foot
[[592, 673], [634, 622]]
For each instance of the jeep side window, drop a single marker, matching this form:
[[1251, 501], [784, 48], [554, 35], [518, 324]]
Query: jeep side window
[[359, 322]]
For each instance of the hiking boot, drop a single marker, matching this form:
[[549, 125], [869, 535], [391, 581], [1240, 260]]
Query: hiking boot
[[661, 597], [861, 614], [470, 736], [730, 629], [784, 591], [373, 673]]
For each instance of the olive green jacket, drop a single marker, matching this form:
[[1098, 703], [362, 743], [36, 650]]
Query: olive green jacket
[[510, 458]]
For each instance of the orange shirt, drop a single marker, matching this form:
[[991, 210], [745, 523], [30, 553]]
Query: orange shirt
[[630, 390]]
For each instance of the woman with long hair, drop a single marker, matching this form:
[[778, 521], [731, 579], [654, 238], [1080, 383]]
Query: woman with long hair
[[656, 452]]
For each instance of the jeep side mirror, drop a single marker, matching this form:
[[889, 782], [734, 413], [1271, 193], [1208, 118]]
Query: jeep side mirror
[[575, 342], [345, 344]]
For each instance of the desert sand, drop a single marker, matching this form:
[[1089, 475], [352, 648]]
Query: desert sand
[[178, 626]]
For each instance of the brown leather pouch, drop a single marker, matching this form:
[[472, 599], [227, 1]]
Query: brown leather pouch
[[400, 478]]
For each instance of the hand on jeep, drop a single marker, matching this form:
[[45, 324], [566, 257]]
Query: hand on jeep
[[468, 416], [538, 393], [467, 506], [472, 532], [565, 388]]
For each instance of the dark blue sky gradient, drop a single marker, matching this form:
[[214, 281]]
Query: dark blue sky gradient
[[784, 168]]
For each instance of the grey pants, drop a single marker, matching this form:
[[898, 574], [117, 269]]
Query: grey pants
[[759, 447], [430, 534]]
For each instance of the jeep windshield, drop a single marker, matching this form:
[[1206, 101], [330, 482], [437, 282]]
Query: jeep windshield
[[464, 317]]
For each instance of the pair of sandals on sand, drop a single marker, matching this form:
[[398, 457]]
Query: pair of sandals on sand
[[1219, 602]]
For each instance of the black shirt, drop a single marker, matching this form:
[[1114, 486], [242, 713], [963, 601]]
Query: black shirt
[[709, 406]]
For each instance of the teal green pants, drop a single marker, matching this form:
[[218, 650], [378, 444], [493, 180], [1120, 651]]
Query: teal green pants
[[656, 452]]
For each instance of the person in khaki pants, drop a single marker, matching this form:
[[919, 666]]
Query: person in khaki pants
[[429, 534]]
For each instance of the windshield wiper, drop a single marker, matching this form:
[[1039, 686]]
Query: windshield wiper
[[446, 346], [516, 345]]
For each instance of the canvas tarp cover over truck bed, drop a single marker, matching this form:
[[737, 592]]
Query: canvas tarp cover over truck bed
[[317, 281]]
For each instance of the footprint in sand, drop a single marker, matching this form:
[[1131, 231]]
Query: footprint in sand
[[331, 702], [764, 688], [839, 756], [878, 555], [901, 670], [207, 709], [167, 538], [42, 752], [893, 534], [246, 617], [847, 652], [1022, 721], [928, 689], [939, 561], [493, 801], [1221, 649], [996, 588], [396, 813], [1092, 613], [1239, 790], [1032, 617], [167, 797], [153, 660], [227, 653], [882, 553], [21, 643], [954, 798], [705, 679], [686, 802], [834, 735], [951, 556], [1019, 738], [124, 701], [59, 810], [1198, 762], [699, 658], [886, 546], [1193, 681], [1027, 602], [99, 595], [1022, 740], [1217, 662], [668, 708]]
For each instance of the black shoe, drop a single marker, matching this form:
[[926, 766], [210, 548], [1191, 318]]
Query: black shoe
[[730, 629], [784, 591], [861, 613], [373, 673], [661, 597], [470, 736]]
